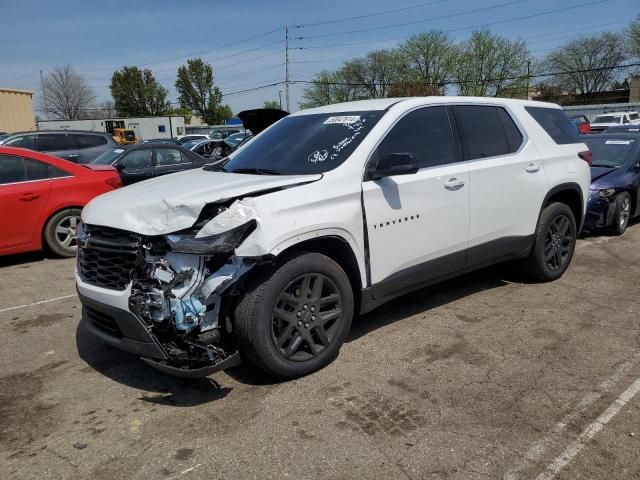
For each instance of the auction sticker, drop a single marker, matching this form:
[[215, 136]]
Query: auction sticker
[[618, 142], [342, 120]]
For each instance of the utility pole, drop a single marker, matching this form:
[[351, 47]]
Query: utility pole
[[286, 67], [280, 98], [528, 75], [44, 96]]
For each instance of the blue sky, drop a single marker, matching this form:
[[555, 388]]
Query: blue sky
[[97, 37]]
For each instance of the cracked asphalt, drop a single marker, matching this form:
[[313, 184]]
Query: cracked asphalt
[[480, 377]]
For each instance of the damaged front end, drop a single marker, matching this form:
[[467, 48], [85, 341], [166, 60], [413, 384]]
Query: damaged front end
[[181, 288]]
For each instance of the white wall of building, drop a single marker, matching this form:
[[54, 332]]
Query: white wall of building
[[145, 127]]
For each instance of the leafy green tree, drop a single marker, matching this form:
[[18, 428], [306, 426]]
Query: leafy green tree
[[183, 112], [198, 93], [489, 65], [332, 87], [272, 104], [588, 65], [136, 92], [427, 60]]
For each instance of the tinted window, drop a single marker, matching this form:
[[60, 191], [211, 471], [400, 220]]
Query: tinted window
[[53, 142], [36, 170], [88, 141], [634, 116], [11, 169], [607, 119], [555, 123], [138, 159], [424, 133], [169, 156], [482, 131], [24, 141], [514, 136], [300, 144], [58, 172]]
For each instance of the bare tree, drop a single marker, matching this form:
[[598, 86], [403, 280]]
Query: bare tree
[[633, 34], [491, 65], [65, 94], [588, 65]]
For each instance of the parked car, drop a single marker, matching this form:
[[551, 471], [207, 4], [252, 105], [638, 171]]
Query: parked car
[[3, 135], [41, 198], [187, 138], [328, 213], [581, 123], [602, 122], [172, 141], [144, 161], [74, 145], [623, 129], [615, 181], [223, 133], [204, 148]]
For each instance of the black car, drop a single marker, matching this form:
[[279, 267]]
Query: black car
[[144, 161], [171, 141], [615, 181], [75, 145]]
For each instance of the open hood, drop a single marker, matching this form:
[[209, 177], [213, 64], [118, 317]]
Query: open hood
[[259, 119], [173, 202]]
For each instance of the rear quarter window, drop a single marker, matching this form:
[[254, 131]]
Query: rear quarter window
[[53, 142], [555, 123], [88, 141]]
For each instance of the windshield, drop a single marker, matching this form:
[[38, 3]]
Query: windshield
[[305, 144], [607, 119], [609, 152], [108, 157]]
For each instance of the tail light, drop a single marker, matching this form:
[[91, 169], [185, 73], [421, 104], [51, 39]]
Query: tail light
[[114, 182], [587, 156]]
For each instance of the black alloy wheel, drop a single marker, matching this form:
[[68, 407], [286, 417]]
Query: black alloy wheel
[[558, 242], [306, 316]]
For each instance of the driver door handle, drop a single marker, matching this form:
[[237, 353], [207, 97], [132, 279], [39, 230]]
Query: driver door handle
[[454, 184], [27, 197]]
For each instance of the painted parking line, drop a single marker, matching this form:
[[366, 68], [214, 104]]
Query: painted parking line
[[18, 307], [541, 447], [588, 433]]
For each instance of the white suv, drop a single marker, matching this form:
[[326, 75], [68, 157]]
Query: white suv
[[614, 119], [328, 213]]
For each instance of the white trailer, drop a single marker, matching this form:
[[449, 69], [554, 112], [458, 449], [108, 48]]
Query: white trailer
[[169, 126]]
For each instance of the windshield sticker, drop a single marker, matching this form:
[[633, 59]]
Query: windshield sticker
[[618, 142], [119, 150], [342, 120], [318, 156]]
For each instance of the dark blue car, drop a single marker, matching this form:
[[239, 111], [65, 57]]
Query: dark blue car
[[615, 181]]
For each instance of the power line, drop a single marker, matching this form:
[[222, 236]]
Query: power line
[[525, 17], [414, 22], [358, 17]]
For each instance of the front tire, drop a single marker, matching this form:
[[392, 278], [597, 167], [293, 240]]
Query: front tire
[[293, 321], [622, 214], [554, 243], [59, 232]]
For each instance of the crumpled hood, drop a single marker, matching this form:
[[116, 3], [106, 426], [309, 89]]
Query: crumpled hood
[[173, 202]]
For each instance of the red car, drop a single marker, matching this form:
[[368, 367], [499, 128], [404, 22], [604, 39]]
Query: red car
[[41, 198]]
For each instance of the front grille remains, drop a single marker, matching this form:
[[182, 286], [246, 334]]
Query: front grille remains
[[107, 256]]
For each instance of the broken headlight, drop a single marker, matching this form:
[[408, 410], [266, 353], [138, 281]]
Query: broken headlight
[[225, 242]]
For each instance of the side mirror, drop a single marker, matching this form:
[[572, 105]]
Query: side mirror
[[119, 166], [391, 164]]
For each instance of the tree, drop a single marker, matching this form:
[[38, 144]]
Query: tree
[[272, 104], [184, 112], [490, 65], [332, 87], [376, 72], [633, 33], [427, 59], [65, 94], [198, 93], [588, 65], [137, 93]]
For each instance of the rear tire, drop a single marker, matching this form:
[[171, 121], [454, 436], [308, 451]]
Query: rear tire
[[59, 232], [293, 321], [554, 243], [622, 214]]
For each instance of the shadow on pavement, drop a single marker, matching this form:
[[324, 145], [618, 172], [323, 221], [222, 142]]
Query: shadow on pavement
[[21, 258], [128, 370]]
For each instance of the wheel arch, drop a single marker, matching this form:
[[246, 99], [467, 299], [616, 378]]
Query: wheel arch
[[571, 195]]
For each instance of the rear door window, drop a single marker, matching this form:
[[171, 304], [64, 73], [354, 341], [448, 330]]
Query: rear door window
[[170, 156], [482, 130], [425, 134], [11, 169], [555, 123], [54, 142], [36, 170], [88, 141]]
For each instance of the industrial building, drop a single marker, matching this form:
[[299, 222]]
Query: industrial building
[[16, 110]]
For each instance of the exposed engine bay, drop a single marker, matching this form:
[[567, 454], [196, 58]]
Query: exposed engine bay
[[182, 285]]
